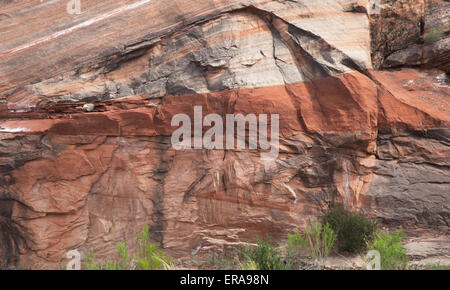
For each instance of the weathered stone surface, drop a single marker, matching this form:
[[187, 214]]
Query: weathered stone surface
[[398, 25], [85, 122], [429, 247], [413, 34], [217, 45]]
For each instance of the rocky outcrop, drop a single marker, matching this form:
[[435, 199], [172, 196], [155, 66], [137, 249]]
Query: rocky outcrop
[[86, 158], [412, 34]]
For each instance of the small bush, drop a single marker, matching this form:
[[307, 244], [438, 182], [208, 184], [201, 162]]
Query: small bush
[[124, 258], [293, 258], [296, 242], [391, 249], [353, 230], [148, 257], [320, 239], [89, 262], [249, 265], [122, 263], [266, 256], [433, 35]]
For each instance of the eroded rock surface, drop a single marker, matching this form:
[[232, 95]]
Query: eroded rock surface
[[412, 33], [87, 101]]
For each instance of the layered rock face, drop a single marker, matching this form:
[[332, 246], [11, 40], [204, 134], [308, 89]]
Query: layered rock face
[[87, 103]]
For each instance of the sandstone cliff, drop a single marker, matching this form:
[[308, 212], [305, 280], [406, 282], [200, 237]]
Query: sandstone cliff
[[362, 93]]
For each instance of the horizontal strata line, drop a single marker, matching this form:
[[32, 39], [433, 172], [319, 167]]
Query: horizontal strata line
[[300, 109], [76, 27]]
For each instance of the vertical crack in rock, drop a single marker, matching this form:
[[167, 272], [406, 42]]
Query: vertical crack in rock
[[158, 225]]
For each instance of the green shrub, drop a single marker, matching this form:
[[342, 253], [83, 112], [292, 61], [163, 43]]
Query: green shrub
[[293, 258], [148, 257], [433, 35], [296, 242], [122, 263], [89, 262], [249, 265], [266, 256], [320, 239], [391, 249], [354, 230]]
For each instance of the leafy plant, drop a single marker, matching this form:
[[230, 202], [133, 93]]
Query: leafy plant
[[353, 229], [112, 266], [89, 262], [266, 256], [296, 241], [122, 263], [391, 249], [433, 35], [295, 244], [249, 265], [320, 239], [148, 257], [124, 258]]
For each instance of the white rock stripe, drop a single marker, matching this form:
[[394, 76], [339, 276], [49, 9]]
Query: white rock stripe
[[76, 27]]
